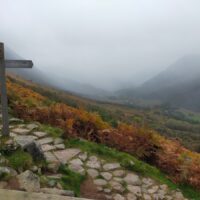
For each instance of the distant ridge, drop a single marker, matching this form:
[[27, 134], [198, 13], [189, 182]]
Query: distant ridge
[[178, 85]]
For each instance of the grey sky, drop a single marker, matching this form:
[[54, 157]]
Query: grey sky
[[106, 43]]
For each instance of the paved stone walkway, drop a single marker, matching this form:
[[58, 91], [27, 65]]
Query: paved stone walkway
[[110, 178]]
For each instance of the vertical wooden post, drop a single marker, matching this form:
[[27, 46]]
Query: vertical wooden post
[[4, 101]]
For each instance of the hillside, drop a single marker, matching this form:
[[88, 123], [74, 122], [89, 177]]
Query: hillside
[[139, 141], [178, 85]]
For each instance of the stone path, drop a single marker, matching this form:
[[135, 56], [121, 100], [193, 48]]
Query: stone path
[[110, 178]]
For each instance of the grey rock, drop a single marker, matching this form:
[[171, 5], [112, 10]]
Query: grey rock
[[52, 183], [111, 166], [93, 163], [29, 181], [60, 146], [83, 156], [153, 189], [132, 179], [107, 190], [65, 155], [135, 190], [35, 150], [131, 196], [8, 171], [106, 175], [40, 134], [50, 157], [76, 161], [34, 169], [93, 173], [47, 140], [24, 140], [147, 197], [178, 196], [21, 131], [47, 147], [118, 197], [76, 166], [15, 120], [116, 186], [58, 141], [100, 182], [32, 126], [119, 173]]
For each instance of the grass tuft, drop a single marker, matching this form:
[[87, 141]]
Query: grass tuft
[[71, 180]]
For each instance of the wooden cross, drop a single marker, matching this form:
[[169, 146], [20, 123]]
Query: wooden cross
[[4, 101]]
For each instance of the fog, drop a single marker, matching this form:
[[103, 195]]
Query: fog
[[109, 44]]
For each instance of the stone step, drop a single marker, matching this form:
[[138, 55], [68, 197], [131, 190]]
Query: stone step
[[20, 195]]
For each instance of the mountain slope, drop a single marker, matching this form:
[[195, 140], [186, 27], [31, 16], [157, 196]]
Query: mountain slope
[[178, 85], [140, 141]]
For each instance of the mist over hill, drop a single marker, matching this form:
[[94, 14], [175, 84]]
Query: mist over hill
[[58, 81], [178, 85]]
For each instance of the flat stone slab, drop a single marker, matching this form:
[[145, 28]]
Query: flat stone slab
[[23, 140], [65, 155], [60, 146], [20, 195], [111, 166], [21, 131], [31, 126], [46, 140], [40, 134], [47, 147], [50, 157]]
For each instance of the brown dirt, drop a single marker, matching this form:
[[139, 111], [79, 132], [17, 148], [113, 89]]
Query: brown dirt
[[13, 184], [89, 190]]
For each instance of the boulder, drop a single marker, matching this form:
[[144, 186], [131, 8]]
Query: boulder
[[29, 181], [35, 150]]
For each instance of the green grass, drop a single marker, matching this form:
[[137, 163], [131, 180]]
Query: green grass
[[20, 159], [71, 180], [52, 131], [131, 163]]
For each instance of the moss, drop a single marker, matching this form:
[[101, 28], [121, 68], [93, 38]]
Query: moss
[[71, 180], [52, 131], [20, 160]]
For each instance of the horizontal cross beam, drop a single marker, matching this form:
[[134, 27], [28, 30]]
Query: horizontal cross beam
[[17, 63]]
